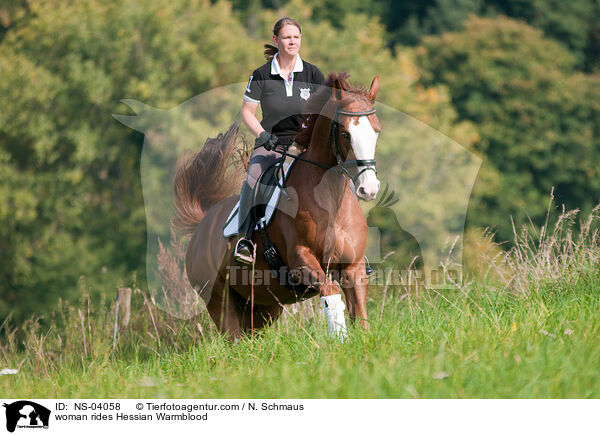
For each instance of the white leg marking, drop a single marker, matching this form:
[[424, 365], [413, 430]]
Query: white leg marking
[[334, 307]]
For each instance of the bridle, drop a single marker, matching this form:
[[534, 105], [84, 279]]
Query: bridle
[[334, 144]]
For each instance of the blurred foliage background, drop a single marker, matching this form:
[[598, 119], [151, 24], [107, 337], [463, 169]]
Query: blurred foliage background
[[516, 82]]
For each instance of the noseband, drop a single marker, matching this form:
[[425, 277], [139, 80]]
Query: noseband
[[334, 144]]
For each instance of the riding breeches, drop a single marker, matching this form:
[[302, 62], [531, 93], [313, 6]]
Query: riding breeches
[[260, 160]]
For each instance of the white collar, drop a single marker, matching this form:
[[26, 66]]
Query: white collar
[[275, 70]]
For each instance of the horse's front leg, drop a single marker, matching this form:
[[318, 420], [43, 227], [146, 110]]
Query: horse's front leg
[[306, 269], [354, 284]]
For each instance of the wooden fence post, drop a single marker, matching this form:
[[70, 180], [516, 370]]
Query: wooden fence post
[[124, 307], [122, 312]]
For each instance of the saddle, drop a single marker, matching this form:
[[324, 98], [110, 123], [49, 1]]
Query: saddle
[[267, 195]]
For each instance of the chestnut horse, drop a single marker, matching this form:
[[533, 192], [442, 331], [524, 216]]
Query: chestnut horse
[[325, 237]]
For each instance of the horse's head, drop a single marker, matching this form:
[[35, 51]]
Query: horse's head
[[353, 135]]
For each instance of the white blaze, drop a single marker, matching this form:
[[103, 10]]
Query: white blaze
[[364, 139]]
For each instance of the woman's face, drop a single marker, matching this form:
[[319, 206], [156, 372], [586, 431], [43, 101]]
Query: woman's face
[[289, 40]]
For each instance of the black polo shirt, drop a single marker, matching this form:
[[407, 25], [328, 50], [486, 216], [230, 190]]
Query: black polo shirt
[[282, 100]]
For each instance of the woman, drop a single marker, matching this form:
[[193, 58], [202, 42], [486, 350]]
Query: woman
[[281, 86]]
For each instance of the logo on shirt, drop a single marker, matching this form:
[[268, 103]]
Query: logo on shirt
[[304, 93], [248, 87]]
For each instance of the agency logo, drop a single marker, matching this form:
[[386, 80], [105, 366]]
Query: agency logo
[[24, 414]]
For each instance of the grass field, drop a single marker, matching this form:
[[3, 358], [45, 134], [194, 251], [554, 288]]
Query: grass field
[[534, 335], [479, 345]]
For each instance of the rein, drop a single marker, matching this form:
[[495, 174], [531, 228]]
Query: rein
[[333, 142]]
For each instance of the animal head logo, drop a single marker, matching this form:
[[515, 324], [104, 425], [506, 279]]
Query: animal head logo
[[398, 247], [382, 211], [26, 414]]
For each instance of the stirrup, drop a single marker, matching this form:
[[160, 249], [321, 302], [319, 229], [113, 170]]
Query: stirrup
[[244, 257]]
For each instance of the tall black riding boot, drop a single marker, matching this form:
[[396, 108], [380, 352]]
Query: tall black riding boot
[[244, 248]]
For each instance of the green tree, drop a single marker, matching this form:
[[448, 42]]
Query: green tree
[[537, 117], [70, 195], [575, 24]]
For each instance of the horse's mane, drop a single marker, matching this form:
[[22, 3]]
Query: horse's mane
[[317, 101]]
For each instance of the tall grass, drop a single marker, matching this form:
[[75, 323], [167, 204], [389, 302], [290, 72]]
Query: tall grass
[[559, 254]]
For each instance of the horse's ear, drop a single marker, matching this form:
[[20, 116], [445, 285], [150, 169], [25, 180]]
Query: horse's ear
[[338, 90], [374, 88]]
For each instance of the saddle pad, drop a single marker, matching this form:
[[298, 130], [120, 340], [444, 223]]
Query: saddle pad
[[232, 224]]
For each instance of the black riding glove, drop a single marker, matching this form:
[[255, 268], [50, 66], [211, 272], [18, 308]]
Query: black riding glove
[[273, 142], [266, 139]]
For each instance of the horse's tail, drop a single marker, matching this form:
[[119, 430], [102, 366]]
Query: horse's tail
[[205, 178]]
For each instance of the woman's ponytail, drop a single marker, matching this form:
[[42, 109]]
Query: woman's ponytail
[[270, 51]]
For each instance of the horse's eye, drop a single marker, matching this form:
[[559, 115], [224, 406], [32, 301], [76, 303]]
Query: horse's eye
[[346, 135]]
